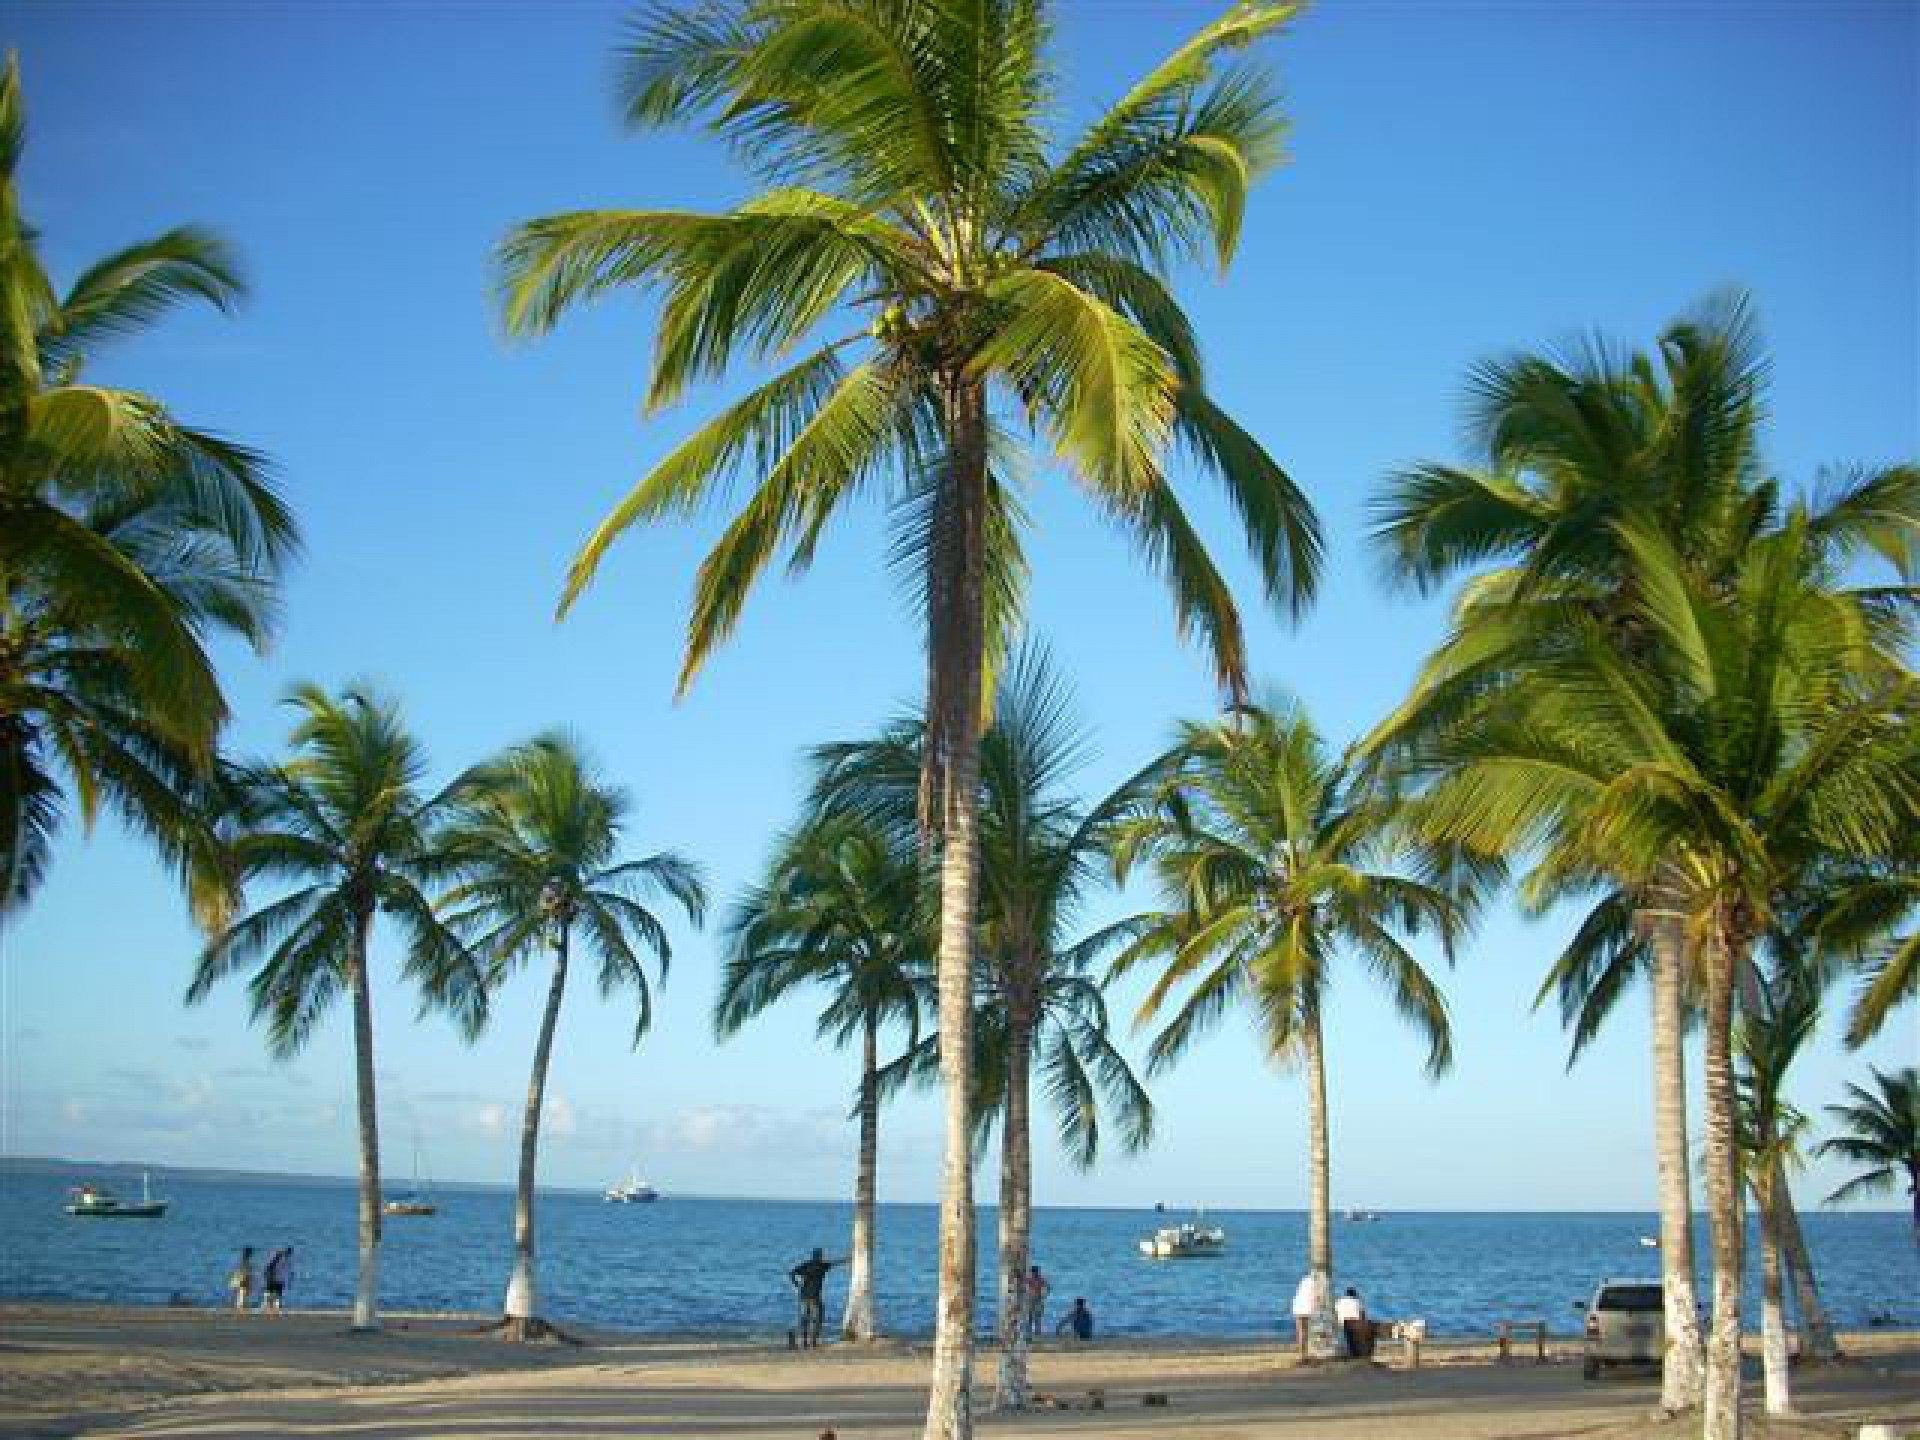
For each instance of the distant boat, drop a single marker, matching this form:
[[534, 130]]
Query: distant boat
[[632, 1191], [1184, 1242], [420, 1201], [95, 1202], [1651, 1242], [1361, 1217]]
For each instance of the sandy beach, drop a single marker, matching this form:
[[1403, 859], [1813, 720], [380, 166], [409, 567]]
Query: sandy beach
[[84, 1370]]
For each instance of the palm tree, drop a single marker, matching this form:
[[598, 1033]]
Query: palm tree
[[1038, 1005], [1764, 734], [987, 280], [343, 822], [1575, 445], [535, 839], [1780, 1008], [127, 540], [1272, 857], [1885, 1137], [841, 909]]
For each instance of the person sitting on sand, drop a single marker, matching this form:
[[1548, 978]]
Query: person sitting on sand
[[1077, 1321], [240, 1282], [1354, 1324], [808, 1277], [278, 1272]]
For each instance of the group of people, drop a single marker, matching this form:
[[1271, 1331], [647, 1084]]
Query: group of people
[[272, 1282], [809, 1280], [1077, 1322], [1349, 1312]]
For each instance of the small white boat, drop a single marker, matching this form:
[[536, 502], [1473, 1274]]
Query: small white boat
[[632, 1191], [1184, 1242], [1651, 1242]]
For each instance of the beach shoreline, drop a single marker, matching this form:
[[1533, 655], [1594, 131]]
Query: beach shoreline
[[80, 1369]]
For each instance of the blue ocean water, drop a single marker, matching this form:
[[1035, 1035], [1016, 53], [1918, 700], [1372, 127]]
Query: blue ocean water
[[719, 1265]]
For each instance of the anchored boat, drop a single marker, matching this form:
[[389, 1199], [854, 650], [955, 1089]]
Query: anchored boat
[[420, 1201], [1184, 1242], [96, 1202], [632, 1191]]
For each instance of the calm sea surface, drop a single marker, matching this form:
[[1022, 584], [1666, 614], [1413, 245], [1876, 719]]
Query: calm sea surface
[[720, 1265]]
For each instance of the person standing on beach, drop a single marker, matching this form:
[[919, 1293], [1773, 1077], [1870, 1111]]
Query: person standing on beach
[[240, 1282], [809, 1277], [1037, 1290], [278, 1273], [1306, 1298], [1352, 1315]]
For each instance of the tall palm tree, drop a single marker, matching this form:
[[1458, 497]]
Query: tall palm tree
[[127, 540], [1779, 1009], [1884, 1136], [1574, 445], [841, 909], [343, 823], [1273, 857], [1764, 733], [535, 841], [985, 279], [1038, 1004]]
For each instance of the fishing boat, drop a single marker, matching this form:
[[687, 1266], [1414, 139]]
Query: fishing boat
[[96, 1202], [1361, 1217], [1184, 1242], [632, 1191]]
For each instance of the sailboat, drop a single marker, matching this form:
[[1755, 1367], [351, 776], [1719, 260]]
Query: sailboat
[[420, 1201]]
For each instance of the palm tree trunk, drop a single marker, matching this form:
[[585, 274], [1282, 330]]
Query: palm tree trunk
[[1773, 1309], [1320, 1332], [1722, 1392], [522, 1294], [366, 1294], [1817, 1342], [1680, 1372], [955, 653], [1016, 1211], [857, 1323]]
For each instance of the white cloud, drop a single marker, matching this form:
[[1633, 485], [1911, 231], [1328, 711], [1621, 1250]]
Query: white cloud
[[561, 1119], [757, 1130]]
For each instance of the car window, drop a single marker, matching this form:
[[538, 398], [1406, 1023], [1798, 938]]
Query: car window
[[1629, 1297]]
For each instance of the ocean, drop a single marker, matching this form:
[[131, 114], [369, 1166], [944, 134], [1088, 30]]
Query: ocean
[[719, 1266]]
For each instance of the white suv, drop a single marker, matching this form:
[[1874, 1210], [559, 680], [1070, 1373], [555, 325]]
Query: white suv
[[1626, 1325]]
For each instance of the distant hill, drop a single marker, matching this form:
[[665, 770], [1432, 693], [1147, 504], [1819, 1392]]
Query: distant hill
[[62, 1166]]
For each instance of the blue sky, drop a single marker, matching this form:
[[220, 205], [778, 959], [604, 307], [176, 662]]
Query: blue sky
[[1465, 179]]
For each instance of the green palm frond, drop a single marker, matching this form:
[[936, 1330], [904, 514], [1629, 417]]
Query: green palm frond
[[130, 289], [913, 189]]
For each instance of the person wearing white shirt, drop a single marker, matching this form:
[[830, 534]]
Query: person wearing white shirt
[[1352, 1316], [1306, 1298]]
